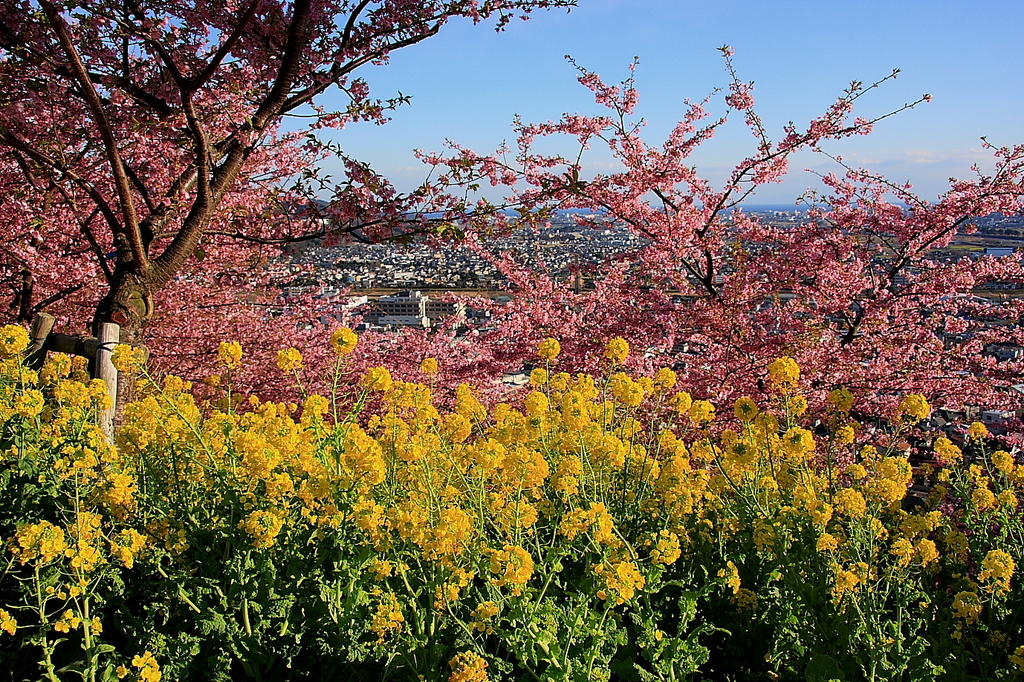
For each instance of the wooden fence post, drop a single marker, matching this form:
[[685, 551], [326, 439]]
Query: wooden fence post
[[109, 334], [98, 349], [42, 325]]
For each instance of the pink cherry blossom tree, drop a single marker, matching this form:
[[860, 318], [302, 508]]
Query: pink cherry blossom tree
[[856, 292], [143, 162]]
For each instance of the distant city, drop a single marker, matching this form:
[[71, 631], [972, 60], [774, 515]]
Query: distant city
[[363, 274]]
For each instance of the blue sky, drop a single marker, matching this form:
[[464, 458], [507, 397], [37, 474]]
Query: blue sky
[[468, 82]]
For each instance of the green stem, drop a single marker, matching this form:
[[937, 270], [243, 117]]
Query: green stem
[[600, 630], [47, 662]]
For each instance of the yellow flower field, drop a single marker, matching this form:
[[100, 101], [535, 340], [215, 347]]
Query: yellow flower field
[[597, 528]]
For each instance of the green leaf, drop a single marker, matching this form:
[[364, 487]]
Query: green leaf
[[823, 668]]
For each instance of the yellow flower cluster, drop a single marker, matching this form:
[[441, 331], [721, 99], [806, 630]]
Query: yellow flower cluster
[[230, 354], [1017, 658], [745, 409], [289, 360], [621, 580], [701, 412], [129, 359], [746, 600], [617, 350], [378, 379], [731, 574], [977, 431], [149, 671], [127, 545], [387, 617], [666, 548], [624, 474], [997, 569], [13, 340], [7, 623], [914, 408], [344, 341], [549, 349], [43, 541], [841, 399], [468, 666], [967, 607], [263, 526], [483, 616], [511, 565], [784, 372], [67, 622]]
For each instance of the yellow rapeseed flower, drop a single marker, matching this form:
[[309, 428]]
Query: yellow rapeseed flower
[[681, 402], [41, 540], [627, 392], [845, 435], [797, 405], [850, 502], [1003, 461], [149, 671], [29, 403], [230, 354], [128, 359], [827, 543], [549, 349], [263, 526], [429, 366], [914, 408], [513, 566], [732, 577], [344, 340], [701, 412], [617, 350], [903, 550], [536, 404], [745, 600], [482, 617], [784, 372], [983, 498], [797, 442], [666, 548], [7, 622], [468, 666], [377, 379], [926, 551], [841, 399], [621, 580], [947, 452], [998, 567], [665, 378], [127, 545], [1017, 658], [967, 607], [13, 340], [977, 431], [289, 360], [845, 581], [745, 409]]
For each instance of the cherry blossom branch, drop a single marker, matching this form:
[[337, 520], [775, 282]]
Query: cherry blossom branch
[[130, 228], [224, 49]]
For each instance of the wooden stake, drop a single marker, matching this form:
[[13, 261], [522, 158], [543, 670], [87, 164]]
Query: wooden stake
[[108, 336], [42, 325]]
